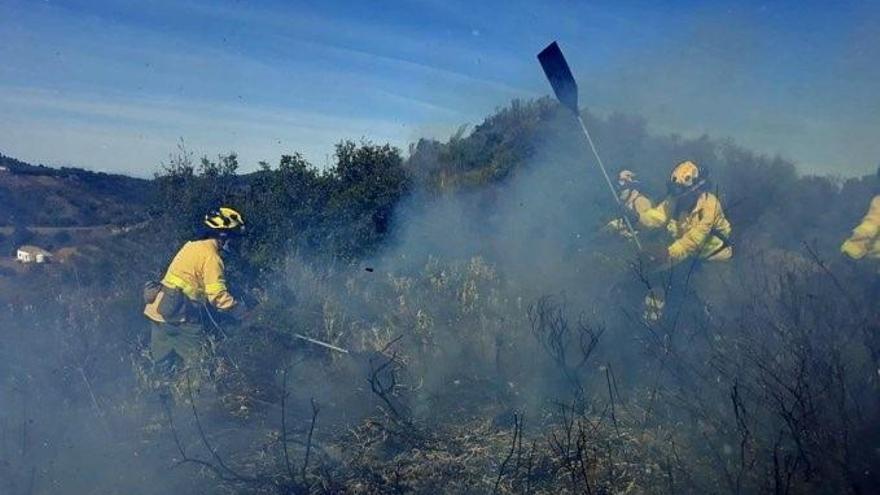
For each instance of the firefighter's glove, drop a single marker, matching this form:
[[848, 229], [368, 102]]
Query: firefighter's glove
[[854, 249]]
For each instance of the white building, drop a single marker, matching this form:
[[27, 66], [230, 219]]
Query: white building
[[33, 254]]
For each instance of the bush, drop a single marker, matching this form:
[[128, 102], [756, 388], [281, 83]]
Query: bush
[[343, 212]]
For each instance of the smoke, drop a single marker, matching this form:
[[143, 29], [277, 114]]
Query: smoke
[[452, 296], [475, 259], [71, 419]]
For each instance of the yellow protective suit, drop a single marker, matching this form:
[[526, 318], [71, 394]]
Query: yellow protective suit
[[197, 270], [702, 232], [865, 238], [635, 201]]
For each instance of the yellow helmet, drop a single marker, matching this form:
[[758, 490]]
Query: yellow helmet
[[225, 220], [686, 176]]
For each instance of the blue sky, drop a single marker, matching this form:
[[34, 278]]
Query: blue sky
[[114, 85]]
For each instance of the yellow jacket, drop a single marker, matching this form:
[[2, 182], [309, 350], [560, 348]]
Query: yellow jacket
[[865, 238], [634, 200], [701, 232], [197, 270]]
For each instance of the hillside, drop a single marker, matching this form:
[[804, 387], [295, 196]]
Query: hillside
[[68, 197], [476, 292]]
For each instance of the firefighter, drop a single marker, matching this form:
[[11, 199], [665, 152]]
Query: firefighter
[[630, 196], [634, 202], [864, 242], [194, 280], [694, 218]]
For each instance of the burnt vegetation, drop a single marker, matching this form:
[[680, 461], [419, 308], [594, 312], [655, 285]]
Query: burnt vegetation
[[495, 333]]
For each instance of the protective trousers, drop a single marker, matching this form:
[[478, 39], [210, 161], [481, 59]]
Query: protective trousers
[[670, 289], [182, 342]]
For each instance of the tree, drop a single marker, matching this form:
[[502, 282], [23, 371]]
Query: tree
[[185, 192], [369, 181]]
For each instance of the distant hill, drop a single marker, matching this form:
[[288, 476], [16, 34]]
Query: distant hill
[[36, 195]]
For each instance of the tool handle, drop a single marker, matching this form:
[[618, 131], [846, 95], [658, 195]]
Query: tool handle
[[635, 235]]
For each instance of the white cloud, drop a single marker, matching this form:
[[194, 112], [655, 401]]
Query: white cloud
[[135, 135]]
